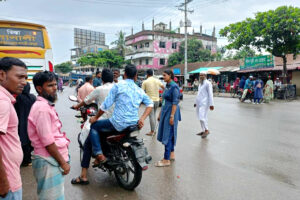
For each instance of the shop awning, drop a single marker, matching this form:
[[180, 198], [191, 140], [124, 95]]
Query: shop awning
[[201, 69], [229, 69]]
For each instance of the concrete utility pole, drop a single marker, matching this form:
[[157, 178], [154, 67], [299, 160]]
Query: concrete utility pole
[[186, 24]]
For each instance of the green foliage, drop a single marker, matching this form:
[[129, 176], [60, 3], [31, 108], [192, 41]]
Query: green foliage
[[65, 67], [107, 58], [120, 43], [276, 31], [195, 53]]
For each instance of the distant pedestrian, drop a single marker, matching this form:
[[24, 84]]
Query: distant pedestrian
[[86, 89], [97, 80], [23, 105], [13, 75], [242, 82], [258, 91], [204, 102], [168, 119], [195, 84], [151, 87], [269, 90], [60, 84], [51, 156]]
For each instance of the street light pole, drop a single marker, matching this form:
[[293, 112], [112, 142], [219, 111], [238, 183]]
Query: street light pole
[[186, 24], [185, 44]]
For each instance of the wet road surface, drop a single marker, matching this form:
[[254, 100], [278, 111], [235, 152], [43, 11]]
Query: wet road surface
[[251, 153]]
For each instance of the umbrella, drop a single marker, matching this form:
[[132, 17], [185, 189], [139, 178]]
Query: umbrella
[[213, 71]]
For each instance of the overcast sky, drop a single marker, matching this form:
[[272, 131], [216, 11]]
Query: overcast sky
[[109, 16]]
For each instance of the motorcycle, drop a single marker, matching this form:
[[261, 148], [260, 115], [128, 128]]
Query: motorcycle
[[250, 95], [127, 157]]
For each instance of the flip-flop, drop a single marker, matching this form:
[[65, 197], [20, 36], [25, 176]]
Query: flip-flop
[[201, 133], [80, 182], [161, 164], [150, 134], [172, 159], [205, 134]]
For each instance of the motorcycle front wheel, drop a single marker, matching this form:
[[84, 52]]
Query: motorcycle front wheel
[[129, 175]]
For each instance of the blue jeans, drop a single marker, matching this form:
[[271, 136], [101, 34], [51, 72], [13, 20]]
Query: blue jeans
[[17, 195], [170, 146], [98, 128], [257, 100], [87, 153]]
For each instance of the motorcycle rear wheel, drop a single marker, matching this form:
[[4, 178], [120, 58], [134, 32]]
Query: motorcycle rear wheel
[[132, 167]]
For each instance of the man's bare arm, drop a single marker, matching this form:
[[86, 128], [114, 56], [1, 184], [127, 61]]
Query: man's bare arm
[[53, 151], [144, 116], [4, 184]]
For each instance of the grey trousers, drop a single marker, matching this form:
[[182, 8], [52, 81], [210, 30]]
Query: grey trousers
[[152, 116]]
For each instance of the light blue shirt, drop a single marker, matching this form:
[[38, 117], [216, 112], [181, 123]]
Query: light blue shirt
[[127, 97]]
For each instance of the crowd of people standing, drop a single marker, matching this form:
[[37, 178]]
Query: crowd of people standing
[[35, 121]]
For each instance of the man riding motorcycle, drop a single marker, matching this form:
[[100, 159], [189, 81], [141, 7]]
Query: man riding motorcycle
[[127, 97], [248, 85]]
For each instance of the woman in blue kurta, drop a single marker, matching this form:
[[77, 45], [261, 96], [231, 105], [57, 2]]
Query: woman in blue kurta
[[168, 119], [258, 91]]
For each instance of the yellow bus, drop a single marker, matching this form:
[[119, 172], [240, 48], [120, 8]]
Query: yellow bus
[[28, 42]]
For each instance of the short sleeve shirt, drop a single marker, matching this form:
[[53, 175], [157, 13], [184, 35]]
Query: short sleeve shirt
[[44, 129], [151, 87], [12, 154]]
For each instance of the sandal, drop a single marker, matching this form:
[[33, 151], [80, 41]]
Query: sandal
[[201, 133], [75, 181], [205, 134], [162, 164], [150, 134]]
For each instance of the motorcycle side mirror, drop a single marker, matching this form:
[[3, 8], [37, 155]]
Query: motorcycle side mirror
[[73, 98]]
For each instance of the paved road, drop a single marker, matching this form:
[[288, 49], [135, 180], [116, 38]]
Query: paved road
[[251, 153]]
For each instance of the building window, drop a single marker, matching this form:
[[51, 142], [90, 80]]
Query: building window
[[140, 61], [147, 44], [141, 46], [162, 45], [208, 47], [147, 61], [162, 61], [135, 47], [174, 45]]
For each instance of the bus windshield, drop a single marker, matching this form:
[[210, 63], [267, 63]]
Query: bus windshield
[[21, 37]]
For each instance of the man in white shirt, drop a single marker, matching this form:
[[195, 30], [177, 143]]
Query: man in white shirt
[[98, 95], [204, 102]]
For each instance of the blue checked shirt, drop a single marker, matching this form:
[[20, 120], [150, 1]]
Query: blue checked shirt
[[127, 97]]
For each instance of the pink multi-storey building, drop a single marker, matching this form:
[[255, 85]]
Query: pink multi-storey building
[[152, 48]]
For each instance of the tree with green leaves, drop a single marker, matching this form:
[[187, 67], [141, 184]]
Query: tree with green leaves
[[120, 43], [195, 53], [107, 58], [65, 67], [276, 31]]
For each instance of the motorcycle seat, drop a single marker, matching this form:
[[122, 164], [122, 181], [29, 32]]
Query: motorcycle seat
[[115, 138], [122, 134]]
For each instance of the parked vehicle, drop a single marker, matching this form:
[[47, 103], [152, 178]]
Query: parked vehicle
[[127, 157]]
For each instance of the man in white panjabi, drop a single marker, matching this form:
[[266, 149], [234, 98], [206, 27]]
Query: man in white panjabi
[[204, 102]]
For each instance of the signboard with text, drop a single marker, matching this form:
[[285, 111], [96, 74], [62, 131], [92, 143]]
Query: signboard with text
[[258, 62], [21, 37]]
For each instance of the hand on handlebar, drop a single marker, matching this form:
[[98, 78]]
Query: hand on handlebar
[[75, 107]]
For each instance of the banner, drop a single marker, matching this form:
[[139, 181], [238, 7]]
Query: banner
[[258, 62]]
